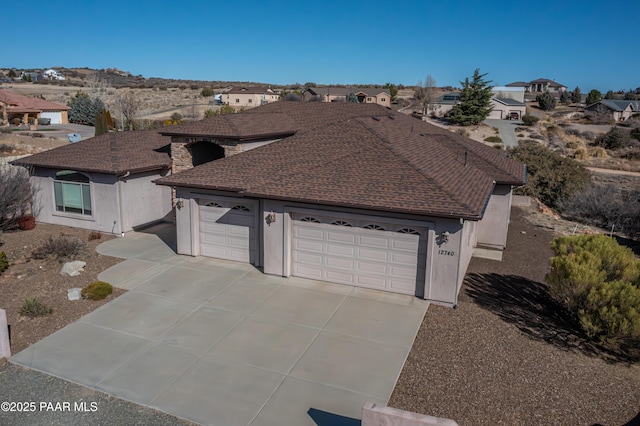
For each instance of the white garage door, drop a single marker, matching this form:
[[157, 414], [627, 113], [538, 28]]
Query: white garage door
[[56, 117], [227, 230], [359, 252]]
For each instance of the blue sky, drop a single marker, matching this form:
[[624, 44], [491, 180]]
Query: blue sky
[[587, 43]]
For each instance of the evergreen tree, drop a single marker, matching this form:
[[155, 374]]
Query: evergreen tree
[[630, 96], [593, 97], [352, 98], [546, 101], [576, 95], [610, 95], [84, 109], [475, 101], [565, 98]]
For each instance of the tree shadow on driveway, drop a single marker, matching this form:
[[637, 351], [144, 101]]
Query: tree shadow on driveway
[[528, 305]]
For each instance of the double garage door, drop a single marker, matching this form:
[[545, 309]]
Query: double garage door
[[363, 252]]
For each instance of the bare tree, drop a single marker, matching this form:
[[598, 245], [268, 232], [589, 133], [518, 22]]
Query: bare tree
[[128, 103], [17, 196], [97, 86], [425, 94]]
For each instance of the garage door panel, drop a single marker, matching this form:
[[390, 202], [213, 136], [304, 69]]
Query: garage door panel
[[316, 234], [307, 258], [341, 237], [334, 249], [371, 282], [314, 246], [210, 238], [379, 255], [408, 245], [404, 272], [236, 220], [371, 268], [404, 258], [339, 277], [340, 263], [365, 240], [306, 271]]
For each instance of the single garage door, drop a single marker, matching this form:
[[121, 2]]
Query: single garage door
[[228, 229], [360, 252], [55, 116]]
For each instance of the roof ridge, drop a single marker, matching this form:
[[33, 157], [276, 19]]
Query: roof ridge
[[421, 172]]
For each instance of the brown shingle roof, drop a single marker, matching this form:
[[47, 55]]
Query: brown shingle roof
[[362, 156], [22, 103], [113, 153], [256, 90]]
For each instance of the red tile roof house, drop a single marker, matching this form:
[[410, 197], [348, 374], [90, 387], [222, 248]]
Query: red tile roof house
[[13, 105], [103, 183], [347, 193]]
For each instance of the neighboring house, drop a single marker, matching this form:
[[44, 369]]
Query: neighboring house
[[507, 108], [340, 94], [341, 192], [619, 110], [103, 183], [503, 107], [15, 106], [52, 74], [32, 76], [540, 85], [249, 97]]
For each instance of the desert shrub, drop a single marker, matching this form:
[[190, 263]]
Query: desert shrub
[[635, 133], [207, 92], [611, 312], [537, 136], [571, 131], [59, 246], [176, 116], [463, 132], [97, 290], [493, 139], [550, 176], [5, 129], [4, 262], [546, 101], [27, 222], [581, 154], [529, 120], [520, 135], [615, 138], [33, 308], [17, 196], [597, 152], [631, 153], [572, 145], [584, 262], [5, 147], [605, 206], [95, 235], [588, 135]]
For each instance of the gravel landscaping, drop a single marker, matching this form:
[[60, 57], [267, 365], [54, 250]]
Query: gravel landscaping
[[506, 356]]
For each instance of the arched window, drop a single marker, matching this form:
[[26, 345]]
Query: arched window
[[340, 223], [213, 204], [375, 227], [309, 219], [72, 192], [241, 208], [408, 231]]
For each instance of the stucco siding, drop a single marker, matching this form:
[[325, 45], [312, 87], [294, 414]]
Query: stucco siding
[[142, 201]]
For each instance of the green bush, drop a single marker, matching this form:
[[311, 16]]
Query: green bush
[[611, 312], [32, 308], [4, 262], [529, 120], [598, 282], [550, 177], [493, 139], [615, 138], [207, 92], [97, 290]]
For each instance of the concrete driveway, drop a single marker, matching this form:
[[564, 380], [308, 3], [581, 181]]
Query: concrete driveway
[[506, 129], [220, 343]]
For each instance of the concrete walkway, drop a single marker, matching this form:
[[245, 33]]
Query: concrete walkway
[[220, 343]]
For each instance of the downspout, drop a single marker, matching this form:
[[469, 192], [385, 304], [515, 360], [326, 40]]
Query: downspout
[[120, 206]]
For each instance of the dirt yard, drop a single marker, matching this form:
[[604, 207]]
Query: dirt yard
[[506, 356], [28, 278]]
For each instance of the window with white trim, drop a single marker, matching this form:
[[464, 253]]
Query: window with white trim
[[72, 192]]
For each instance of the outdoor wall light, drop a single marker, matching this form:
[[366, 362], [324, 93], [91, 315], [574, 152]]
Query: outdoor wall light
[[445, 236], [179, 203], [271, 218]]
